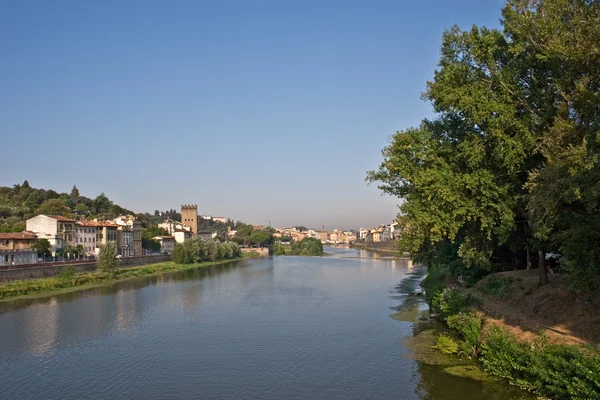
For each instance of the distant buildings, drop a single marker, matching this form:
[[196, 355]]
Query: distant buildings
[[167, 243], [15, 248]]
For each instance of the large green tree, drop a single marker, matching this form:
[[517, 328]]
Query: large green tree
[[510, 163]]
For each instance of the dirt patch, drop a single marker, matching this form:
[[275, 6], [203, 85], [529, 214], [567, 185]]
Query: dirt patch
[[526, 309]]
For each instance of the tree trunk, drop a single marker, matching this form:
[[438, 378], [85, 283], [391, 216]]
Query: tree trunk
[[542, 268], [528, 259]]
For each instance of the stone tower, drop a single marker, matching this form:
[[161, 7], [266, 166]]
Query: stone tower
[[189, 217]]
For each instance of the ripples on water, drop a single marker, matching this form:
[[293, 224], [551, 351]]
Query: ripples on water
[[276, 328]]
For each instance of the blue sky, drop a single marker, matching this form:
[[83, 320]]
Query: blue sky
[[256, 110]]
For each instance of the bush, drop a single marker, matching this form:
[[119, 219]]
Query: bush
[[446, 345], [471, 328], [181, 254], [107, 259], [66, 273], [451, 301], [496, 286], [278, 249], [308, 247]]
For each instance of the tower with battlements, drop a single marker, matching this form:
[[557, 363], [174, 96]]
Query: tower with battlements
[[189, 217]]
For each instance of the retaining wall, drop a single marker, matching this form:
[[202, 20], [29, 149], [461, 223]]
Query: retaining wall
[[32, 271]]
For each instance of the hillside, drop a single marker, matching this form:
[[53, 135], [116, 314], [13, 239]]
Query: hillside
[[21, 202], [515, 300]]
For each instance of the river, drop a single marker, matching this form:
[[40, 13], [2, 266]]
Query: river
[[270, 328]]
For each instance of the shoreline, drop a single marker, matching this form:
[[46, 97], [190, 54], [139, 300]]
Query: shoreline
[[91, 280]]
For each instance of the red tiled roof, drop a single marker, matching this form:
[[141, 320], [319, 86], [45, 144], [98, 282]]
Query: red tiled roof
[[60, 219], [88, 223], [18, 235]]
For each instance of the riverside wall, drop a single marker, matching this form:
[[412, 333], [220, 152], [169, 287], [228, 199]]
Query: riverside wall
[[44, 270]]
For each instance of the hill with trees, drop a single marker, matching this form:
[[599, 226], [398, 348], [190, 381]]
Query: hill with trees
[[21, 202]]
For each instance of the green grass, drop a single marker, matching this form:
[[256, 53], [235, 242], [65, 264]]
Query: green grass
[[68, 282]]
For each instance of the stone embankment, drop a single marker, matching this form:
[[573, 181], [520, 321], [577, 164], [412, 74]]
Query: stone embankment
[[44, 270]]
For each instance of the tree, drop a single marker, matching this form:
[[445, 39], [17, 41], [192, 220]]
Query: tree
[[107, 258], [79, 250], [510, 163], [244, 231], [308, 247], [69, 251], [42, 246], [260, 238], [53, 207], [74, 193]]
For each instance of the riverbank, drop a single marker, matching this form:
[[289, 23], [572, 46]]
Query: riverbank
[[381, 247], [500, 323], [67, 281]]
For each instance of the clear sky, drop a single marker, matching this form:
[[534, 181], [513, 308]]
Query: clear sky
[[256, 110]]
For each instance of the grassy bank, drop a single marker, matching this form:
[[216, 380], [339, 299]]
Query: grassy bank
[[551, 370], [67, 281]]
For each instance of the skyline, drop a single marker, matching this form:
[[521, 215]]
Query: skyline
[[254, 113]]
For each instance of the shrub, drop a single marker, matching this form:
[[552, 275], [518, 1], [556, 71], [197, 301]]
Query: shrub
[[446, 345], [278, 249], [107, 259], [496, 286], [451, 301], [471, 329], [66, 273], [308, 247], [181, 254]]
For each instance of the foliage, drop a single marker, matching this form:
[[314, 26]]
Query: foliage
[[550, 370], [21, 202], [308, 247], [42, 246], [446, 345], [107, 258], [278, 249], [496, 286], [66, 273], [510, 163], [451, 301], [471, 328], [199, 250], [434, 281], [33, 286]]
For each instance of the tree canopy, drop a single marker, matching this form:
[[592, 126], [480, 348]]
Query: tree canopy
[[508, 170]]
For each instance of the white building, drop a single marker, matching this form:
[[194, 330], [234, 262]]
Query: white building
[[85, 235], [172, 226], [59, 231], [181, 235]]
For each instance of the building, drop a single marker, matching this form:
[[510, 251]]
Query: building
[[106, 232], [85, 236], [386, 234], [167, 243], [189, 217], [181, 235], [206, 235], [171, 226], [136, 228], [129, 244], [220, 219], [125, 241], [59, 231], [363, 234], [15, 248]]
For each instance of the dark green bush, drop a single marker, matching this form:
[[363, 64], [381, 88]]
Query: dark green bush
[[471, 328], [434, 281], [451, 301]]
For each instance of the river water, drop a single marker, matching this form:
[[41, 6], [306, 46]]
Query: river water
[[270, 328]]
